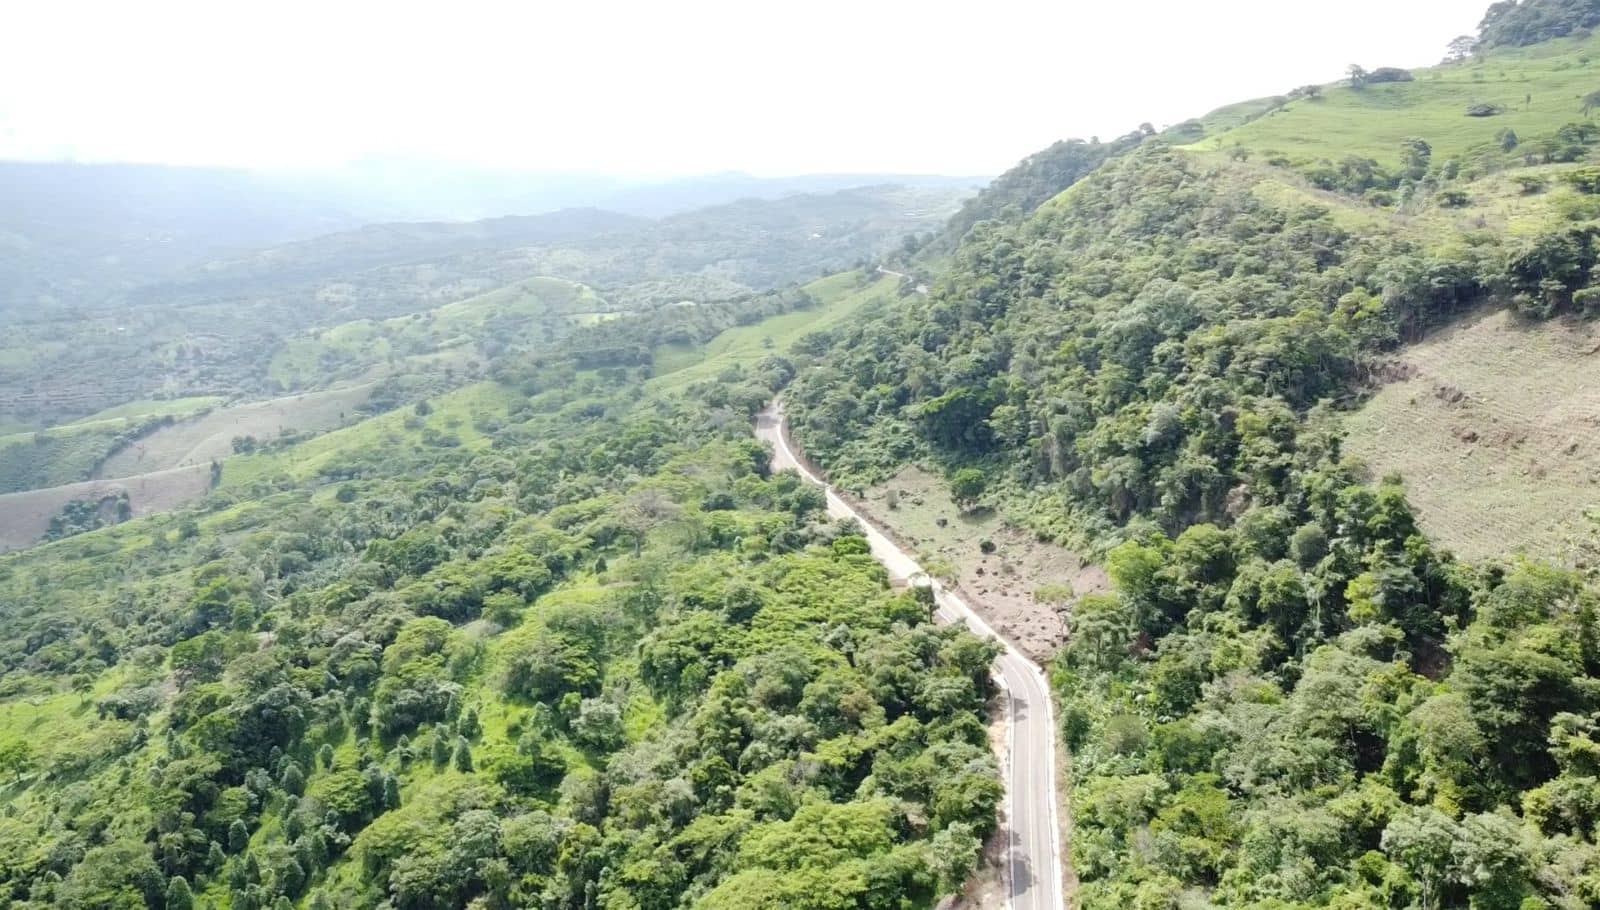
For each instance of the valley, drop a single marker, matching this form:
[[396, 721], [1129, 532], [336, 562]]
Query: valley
[[1204, 517]]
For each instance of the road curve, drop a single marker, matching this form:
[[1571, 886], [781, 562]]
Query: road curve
[[1033, 857]]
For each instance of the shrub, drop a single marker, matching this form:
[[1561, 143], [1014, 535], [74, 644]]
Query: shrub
[[1585, 180], [1530, 184], [1389, 74], [967, 484]]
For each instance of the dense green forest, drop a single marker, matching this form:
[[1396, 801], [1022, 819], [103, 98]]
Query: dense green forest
[[602, 660], [1514, 23], [535, 623], [1293, 698]]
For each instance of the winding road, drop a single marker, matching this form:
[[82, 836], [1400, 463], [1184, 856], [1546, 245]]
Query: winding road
[[1033, 856]]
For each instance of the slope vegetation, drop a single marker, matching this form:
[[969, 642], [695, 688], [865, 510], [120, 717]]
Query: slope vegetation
[[521, 638], [1495, 425], [1462, 110], [1294, 689]]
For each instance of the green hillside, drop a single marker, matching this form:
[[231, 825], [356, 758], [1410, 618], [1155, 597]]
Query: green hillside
[[463, 333], [247, 324], [1530, 91], [1274, 436], [1296, 686], [1534, 91], [837, 298], [481, 633]]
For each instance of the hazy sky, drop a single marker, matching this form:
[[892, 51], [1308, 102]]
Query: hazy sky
[[659, 88]]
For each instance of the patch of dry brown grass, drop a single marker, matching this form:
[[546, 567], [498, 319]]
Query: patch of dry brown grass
[[1496, 431]]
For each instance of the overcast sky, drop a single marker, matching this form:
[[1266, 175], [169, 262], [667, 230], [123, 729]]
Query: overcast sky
[[662, 88]]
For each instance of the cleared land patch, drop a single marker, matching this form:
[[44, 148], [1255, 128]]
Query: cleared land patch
[[199, 440], [133, 410], [40, 459], [24, 517], [1022, 584], [1495, 426], [838, 297]]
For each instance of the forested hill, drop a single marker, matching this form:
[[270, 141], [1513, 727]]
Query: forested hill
[[1029, 184], [1297, 696], [535, 623], [1512, 23], [557, 640]]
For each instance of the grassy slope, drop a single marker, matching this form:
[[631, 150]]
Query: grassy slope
[[201, 440], [838, 297], [24, 517], [166, 469], [354, 347], [176, 407], [50, 457], [1539, 89], [457, 418], [1512, 465], [456, 415], [459, 414], [1495, 434]]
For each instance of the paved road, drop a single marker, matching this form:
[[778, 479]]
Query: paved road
[[1033, 867]]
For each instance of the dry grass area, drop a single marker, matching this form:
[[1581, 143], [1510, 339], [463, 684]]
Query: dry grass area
[[24, 517], [1495, 426], [1006, 584], [198, 440]]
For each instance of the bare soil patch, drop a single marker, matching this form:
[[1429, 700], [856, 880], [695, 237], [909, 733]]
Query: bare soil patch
[[1495, 426], [1022, 586], [24, 517]]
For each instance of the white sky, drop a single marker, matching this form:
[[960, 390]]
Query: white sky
[[661, 88]]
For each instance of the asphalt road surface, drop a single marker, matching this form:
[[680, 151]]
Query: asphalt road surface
[[1033, 860]]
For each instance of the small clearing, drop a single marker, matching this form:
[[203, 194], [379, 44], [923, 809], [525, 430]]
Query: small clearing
[[1024, 586], [839, 298], [24, 517], [200, 439], [1495, 426]]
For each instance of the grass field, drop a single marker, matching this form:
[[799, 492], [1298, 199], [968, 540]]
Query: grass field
[[24, 517], [1497, 434], [1372, 121], [350, 350], [457, 415], [839, 297], [117, 418], [176, 407], [40, 459], [201, 439]]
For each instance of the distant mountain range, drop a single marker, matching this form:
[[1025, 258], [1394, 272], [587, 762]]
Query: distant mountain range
[[84, 234]]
